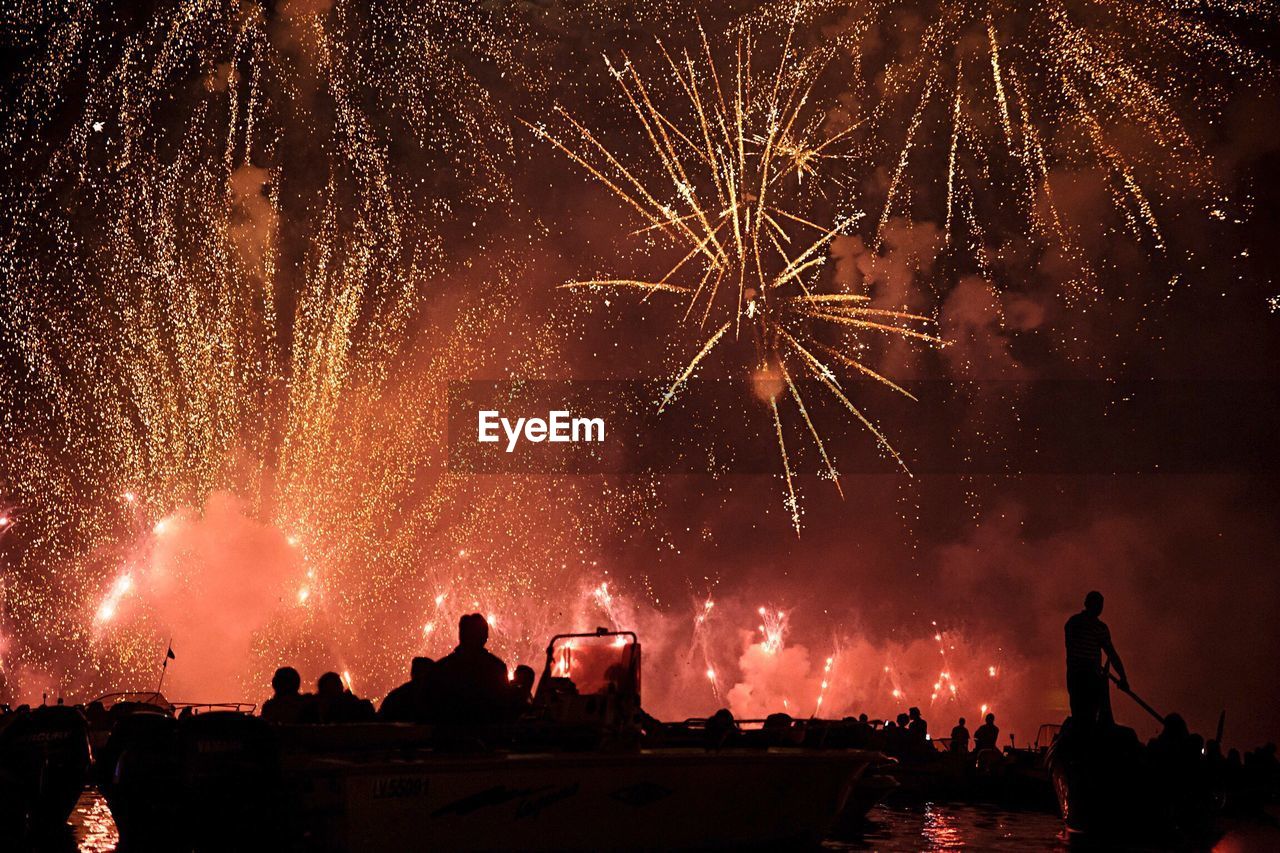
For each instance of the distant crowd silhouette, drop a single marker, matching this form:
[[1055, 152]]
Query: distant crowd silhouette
[[472, 688]]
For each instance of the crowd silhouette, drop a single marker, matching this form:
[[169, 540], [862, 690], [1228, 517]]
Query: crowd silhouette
[[468, 687], [471, 689]]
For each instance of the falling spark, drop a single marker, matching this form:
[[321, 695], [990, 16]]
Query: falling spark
[[827, 676]]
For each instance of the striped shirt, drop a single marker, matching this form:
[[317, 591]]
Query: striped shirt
[[1086, 637]]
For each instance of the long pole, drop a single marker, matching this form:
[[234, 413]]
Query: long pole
[[164, 667], [1141, 702]]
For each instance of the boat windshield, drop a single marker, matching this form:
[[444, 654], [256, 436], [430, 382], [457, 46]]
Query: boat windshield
[[138, 697], [594, 664]]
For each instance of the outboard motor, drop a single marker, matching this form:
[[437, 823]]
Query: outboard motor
[[44, 761], [230, 781], [137, 772]]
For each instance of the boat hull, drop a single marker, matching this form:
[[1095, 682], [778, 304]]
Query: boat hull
[[651, 799], [1112, 790]]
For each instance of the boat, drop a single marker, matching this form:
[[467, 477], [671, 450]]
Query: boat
[[641, 800], [44, 763], [1111, 789], [578, 773], [874, 784]]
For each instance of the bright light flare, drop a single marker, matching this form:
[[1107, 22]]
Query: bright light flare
[[110, 604]]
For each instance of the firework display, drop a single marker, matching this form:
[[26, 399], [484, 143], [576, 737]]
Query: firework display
[[1003, 101], [246, 247], [736, 161]]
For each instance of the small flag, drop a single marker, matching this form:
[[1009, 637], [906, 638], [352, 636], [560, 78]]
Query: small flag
[[169, 655]]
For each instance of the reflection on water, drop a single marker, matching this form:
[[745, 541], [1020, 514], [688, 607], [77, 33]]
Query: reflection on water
[[91, 821], [937, 827], [888, 830], [942, 829], [941, 826]]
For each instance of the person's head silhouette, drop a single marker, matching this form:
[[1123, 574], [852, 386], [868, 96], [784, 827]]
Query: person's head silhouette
[[523, 677], [1093, 603], [420, 668], [473, 631], [286, 680], [991, 718], [961, 721], [329, 685]]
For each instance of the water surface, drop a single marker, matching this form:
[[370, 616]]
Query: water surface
[[932, 827]]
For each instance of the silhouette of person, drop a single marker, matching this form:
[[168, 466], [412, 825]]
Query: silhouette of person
[[959, 738], [720, 729], [1088, 638], [335, 704], [987, 736], [862, 732], [521, 689], [287, 705], [411, 701], [469, 685], [917, 726]]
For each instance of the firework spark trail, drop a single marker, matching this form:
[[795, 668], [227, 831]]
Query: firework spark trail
[[773, 628], [700, 641], [1019, 92], [733, 160], [828, 675]]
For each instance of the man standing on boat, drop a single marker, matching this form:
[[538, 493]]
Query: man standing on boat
[[469, 686], [1087, 639]]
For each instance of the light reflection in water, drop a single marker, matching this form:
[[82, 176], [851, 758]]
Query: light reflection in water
[[891, 830], [955, 826], [94, 828], [941, 830]]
